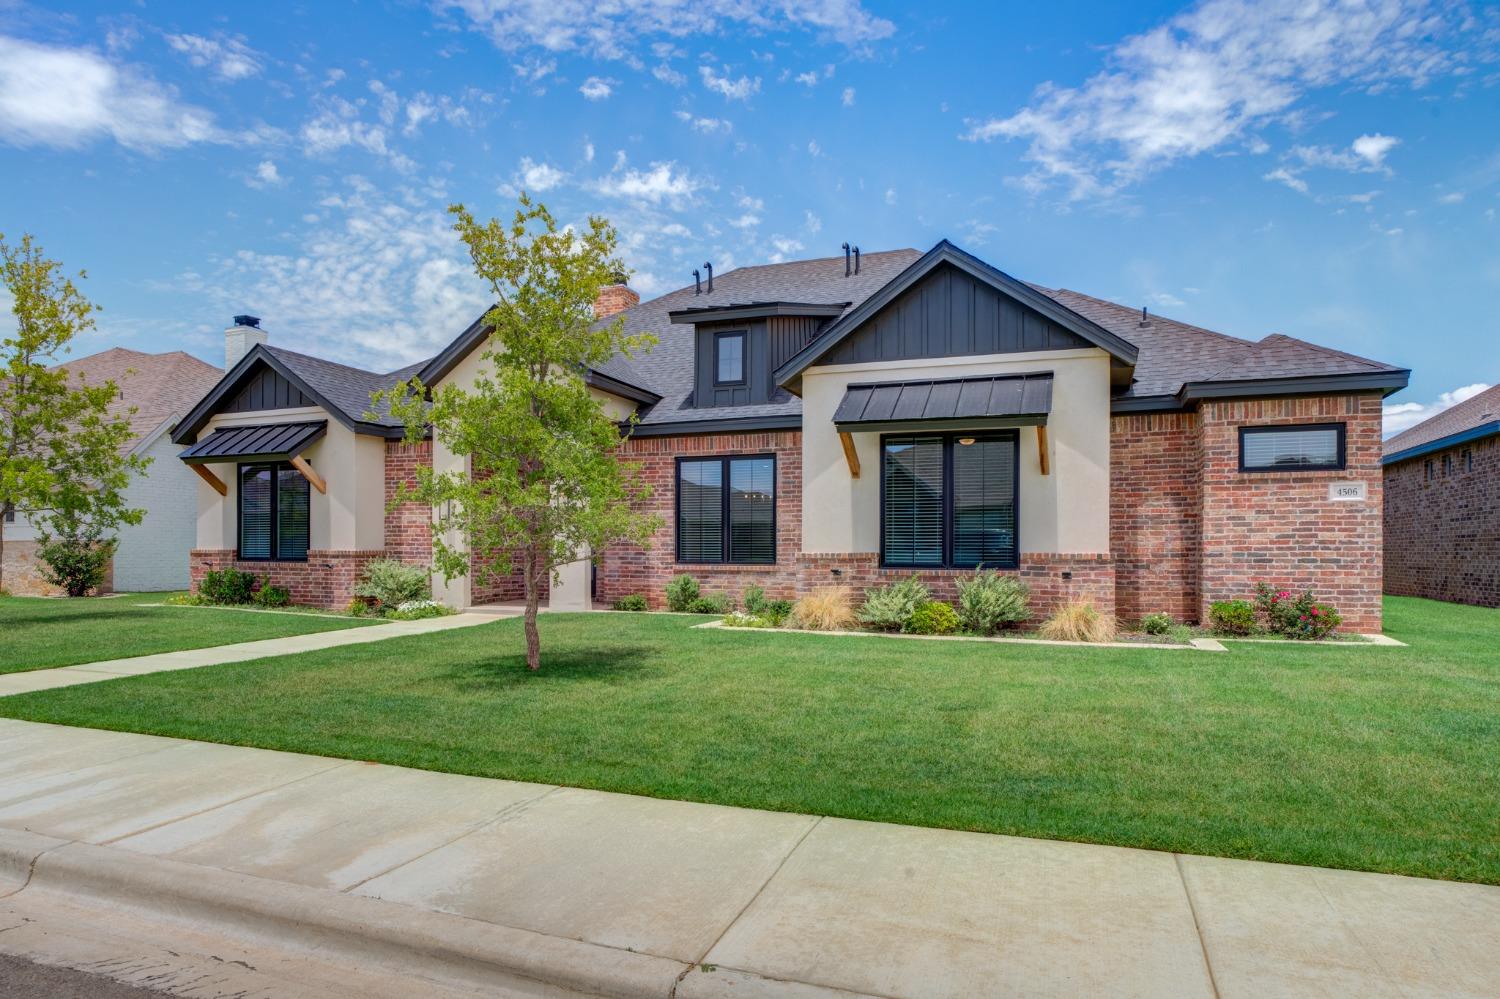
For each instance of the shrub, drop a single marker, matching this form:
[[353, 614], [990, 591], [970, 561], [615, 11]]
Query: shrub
[[358, 607], [631, 602], [740, 619], [713, 603], [828, 608], [681, 592], [227, 586], [77, 565], [1232, 617], [777, 611], [415, 610], [1315, 621], [272, 596], [391, 583], [754, 600], [1079, 621], [1300, 617], [933, 618], [889, 608], [1156, 624], [990, 601]]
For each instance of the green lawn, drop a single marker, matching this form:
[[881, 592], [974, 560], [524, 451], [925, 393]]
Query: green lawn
[[1348, 756], [38, 633]]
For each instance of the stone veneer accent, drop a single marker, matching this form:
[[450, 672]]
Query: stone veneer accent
[[21, 572], [1280, 526], [1442, 535], [325, 580], [625, 569], [1155, 499]]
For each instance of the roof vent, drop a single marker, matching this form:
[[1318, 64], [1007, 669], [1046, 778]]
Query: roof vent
[[856, 260], [846, 259], [710, 268], [1145, 317]]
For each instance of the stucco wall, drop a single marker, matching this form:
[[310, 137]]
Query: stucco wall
[[1066, 511], [153, 555]]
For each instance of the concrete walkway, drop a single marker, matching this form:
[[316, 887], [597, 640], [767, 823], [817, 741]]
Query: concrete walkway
[[110, 669], [348, 878]]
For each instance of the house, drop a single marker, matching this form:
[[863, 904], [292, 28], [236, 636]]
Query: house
[[858, 418], [152, 555], [1442, 505]]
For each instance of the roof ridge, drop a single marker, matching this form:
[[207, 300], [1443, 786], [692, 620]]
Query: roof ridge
[[1168, 319], [1461, 408], [322, 360], [818, 260], [1326, 350]]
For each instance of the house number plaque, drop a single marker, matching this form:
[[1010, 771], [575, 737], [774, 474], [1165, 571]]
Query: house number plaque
[[1346, 492]]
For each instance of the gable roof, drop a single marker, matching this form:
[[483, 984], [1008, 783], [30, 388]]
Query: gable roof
[[159, 387], [946, 253], [1472, 419]]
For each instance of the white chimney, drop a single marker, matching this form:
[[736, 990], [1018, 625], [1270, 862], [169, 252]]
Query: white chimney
[[241, 338]]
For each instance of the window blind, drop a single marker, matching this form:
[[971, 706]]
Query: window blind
[[752, 510], [726, 510], [913, 494], [1290, 448], [700, 511], [255, 512], [292, 522], [984, 507]]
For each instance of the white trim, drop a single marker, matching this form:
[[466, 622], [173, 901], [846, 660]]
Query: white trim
[[151, 438], [1025, 357]]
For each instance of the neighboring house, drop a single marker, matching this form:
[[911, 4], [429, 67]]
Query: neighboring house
[[153, 554], [1442, 505], [858, 420]]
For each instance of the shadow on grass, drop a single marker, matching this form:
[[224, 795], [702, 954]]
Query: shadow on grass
[[610, 663], [21, 620]]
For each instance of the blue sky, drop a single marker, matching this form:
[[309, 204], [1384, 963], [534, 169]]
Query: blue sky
[[1330, 170]]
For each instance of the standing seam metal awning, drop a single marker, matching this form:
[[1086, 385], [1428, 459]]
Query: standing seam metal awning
[[977, 403], [271, 442]]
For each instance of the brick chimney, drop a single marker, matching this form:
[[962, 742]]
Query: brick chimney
[[241, 338], [614, 299]]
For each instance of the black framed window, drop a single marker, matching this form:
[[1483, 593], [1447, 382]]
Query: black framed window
[[729, 358], [949, 500], [726, 510], [274, 521], [1305, 447]]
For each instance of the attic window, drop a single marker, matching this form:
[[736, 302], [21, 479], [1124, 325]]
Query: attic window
[[1301, 448], [729, 358]]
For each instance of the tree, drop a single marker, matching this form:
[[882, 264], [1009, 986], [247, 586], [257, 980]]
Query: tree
[[544, 480], [62, 460]]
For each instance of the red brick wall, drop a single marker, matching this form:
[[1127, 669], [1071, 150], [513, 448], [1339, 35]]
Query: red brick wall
[[614, 298], [408, 535], [1154, 505], [1442, 537], [625, 569], [325, 580], [1280, 526], [1090, 577]]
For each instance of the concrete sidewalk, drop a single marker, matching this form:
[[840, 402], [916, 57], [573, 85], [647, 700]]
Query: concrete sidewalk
[[347, 878], [68, 676]]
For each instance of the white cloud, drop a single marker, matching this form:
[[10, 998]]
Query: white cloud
[[748, 220], [597, 88], [614, 30], [890, 195], [808, 79], [666, 74], [66, 98], [813, 149], [1287, 177], [230, 58], [1212, 75], [533, 178], [588, 152], [848, 97], [978, 232], [1451, 198], [533, 70], [811, 222], [266, 175], [1165, 300], [1373, 148], [1402, 415], [707, 126], [381, 283], [732, 90], [786, 245], [662, 183]]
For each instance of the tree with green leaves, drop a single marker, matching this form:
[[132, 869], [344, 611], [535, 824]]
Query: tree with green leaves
[[63, 460], [544, 480]]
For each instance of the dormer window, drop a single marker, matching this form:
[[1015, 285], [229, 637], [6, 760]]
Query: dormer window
[[729, 358]]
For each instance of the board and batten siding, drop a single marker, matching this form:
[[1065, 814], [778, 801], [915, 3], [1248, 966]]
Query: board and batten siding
[[267, 390], [757, 387], [950, 314]]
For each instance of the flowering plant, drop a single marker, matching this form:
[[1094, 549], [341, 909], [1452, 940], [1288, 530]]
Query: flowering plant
[[1298, 616]]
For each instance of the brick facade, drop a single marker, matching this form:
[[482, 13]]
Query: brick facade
[[625, 569], [1280, 526], [325, 580], [408, 533], [1155, 500], [1442, 529]]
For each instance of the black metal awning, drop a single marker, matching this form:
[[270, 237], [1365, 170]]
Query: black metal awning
[[970, 403], [269, 442]]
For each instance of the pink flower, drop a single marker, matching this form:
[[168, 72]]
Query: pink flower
[[1283, 594], [1315, 612]]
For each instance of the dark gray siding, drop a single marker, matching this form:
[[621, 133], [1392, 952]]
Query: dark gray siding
[[789, 334], [267, 390], [757, 387], [950, 314]]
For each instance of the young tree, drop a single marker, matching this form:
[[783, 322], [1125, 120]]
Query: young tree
[[62, 460], [544, 480]]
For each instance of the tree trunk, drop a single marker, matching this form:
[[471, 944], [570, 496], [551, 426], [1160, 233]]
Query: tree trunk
[[533, 598]]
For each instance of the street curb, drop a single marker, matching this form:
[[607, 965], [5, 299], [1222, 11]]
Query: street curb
[[349, 928], [710, 982], [18, 851]]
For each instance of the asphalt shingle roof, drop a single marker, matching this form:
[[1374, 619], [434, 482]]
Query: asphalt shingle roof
[[1471, 413], [1171, 353], [160, 387]]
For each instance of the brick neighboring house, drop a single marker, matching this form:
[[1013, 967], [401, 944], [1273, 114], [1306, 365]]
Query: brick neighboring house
[[152, 554], [856, 420], [1442, 505]]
